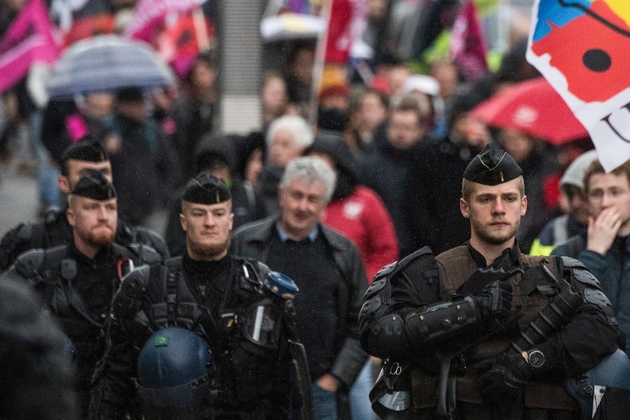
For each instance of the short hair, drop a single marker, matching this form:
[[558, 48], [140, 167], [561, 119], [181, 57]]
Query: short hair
[[596, 168], [310, 169], [467, 187], [410, 104], [302, 133], [383, 98]]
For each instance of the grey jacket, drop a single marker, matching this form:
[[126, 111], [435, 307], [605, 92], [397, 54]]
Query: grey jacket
[[252, 241]]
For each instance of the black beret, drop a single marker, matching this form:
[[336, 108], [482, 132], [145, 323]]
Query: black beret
[[94, 185], [87, 149], [206, 189], [492, 166]]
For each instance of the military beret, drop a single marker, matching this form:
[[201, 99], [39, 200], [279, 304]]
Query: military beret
[[492, 166], [206, 189], [94, 185], [87, 149]]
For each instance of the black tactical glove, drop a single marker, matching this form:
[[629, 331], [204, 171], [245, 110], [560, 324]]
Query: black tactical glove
[[495, 300], [503, 375]]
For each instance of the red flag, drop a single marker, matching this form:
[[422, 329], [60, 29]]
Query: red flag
[[180, 42], [467, 45], [346, 24], [28, 39]]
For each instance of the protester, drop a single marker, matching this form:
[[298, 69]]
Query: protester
[[77, 281], [327, 269], [561, 228], [275, 98], [144, 165], [386, 169], [371, 113], [510, 344], [359, 214], [287, 138], [603, 246], [195, 109], [219, 361]]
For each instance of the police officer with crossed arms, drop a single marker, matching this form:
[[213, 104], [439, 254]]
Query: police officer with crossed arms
[[483, 331]]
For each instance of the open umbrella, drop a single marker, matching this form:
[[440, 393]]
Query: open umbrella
[[533, 107], [105, 63]]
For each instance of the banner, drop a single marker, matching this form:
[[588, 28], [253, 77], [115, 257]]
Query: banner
[[581, 47], [28, 39], [148, 15]]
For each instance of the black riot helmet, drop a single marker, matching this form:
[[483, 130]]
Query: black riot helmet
[[173, 372]]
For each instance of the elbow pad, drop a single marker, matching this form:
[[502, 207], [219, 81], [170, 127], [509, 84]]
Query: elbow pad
[[387, 338], [442, 322]]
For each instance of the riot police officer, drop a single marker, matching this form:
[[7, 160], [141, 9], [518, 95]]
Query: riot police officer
[[234, 360], [482, 330], [86, 154], [78, 281]]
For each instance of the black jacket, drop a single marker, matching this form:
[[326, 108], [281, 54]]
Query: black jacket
[[81, 305], [249, 381], [252, 241]]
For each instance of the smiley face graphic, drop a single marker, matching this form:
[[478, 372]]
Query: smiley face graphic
[[588, 42]]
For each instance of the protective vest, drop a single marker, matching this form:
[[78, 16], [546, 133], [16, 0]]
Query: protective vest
[[530, 295], [246, 354]]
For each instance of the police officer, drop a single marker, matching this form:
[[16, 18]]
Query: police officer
[[77, 281], [484, 331], [55, 230], [226, 301]]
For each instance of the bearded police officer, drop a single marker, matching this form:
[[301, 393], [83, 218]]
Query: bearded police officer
[[77, 281], [82, 156], [483, 331], [221, 324]]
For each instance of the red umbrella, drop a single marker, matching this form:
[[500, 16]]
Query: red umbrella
[[535, 108]]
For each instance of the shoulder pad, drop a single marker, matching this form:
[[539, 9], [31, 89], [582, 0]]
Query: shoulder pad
[[30, 263], [572, 262], [582, 275], [149, 255], [141, 253], [377, 285], [383, 272]]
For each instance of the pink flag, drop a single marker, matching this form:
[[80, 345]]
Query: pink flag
[[28, 39], [467, 46], [148, 15]]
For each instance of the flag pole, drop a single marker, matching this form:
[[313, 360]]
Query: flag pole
[[320, 62]]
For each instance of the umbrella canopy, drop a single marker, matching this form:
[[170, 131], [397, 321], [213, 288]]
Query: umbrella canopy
[[291, 26], [535, 108], [105, 63]]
